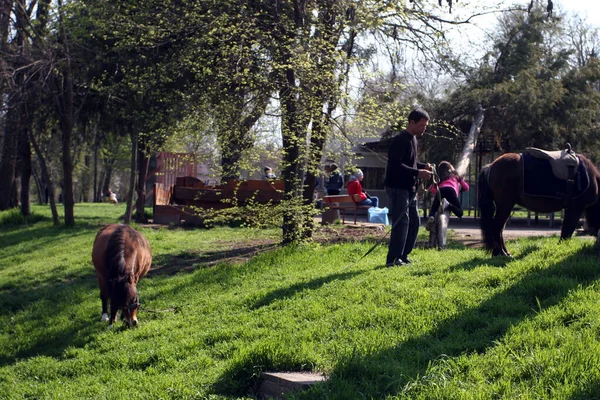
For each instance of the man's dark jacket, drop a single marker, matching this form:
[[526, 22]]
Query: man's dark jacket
[[402, 166]]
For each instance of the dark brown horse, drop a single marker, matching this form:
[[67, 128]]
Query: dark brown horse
[[501, 187], [121, 256]]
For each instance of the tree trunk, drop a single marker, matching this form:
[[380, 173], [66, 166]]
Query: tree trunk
[[8, 153], [143, 161], [470, 143], [64, 79], [317, 143], [106, 181], [100, 191], [95, 184], [38, 186], [46, 178], [128, 209], [25, 161], [8, 165], [66, 119], [294, 137]]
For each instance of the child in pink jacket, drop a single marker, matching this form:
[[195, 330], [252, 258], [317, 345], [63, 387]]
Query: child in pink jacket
[[450, 186]]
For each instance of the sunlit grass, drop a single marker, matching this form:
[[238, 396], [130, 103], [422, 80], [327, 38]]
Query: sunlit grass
[[456, 324]]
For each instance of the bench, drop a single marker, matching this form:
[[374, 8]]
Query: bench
[[344, 202], [182, 200]]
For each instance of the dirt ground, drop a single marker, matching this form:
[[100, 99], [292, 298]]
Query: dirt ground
[[468, 235]]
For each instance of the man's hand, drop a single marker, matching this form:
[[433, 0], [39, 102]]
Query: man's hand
[[429, 167], [424, 174]]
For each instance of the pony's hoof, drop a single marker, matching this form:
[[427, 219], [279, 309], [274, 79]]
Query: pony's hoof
[[104, 317]]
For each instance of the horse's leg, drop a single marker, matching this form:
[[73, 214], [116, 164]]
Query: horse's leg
[[502, 214], [103, 296], [571, 218], [113, 312]]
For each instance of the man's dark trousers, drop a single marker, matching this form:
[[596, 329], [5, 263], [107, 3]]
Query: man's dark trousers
[[403, 204]]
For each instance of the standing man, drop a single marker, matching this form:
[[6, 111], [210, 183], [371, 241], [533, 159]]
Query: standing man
[[335, 182], [402, 173]]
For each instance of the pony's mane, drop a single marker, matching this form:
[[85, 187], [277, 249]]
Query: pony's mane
[[115, 254], [591, 166]]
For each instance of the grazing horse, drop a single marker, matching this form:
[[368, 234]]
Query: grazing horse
[[121, 256], [518, 178]]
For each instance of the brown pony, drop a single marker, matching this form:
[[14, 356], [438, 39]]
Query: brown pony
[[501, 187], [121, 256]]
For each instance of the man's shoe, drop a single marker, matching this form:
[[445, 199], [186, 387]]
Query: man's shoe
[[396, 263], [405, 260]]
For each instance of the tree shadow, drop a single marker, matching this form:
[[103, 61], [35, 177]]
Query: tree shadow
[[33, 309], [500, 261], [43, 236], [473, 330], [587, 391], [169, 264], [290, 291]]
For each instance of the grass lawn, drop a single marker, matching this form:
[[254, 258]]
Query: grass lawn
[[457, 324]]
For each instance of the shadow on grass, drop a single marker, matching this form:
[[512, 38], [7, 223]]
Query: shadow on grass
[[474, 330], [170, 264], [36, 236], [290, 291], [494, 261], [587, 391], [35, 309]]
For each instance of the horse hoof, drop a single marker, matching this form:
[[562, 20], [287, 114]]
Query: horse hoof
[[104, 318]]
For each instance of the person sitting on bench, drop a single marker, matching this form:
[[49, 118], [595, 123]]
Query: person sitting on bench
[[354, 187]]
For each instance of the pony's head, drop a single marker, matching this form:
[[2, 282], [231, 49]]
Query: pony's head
[[125, 295]]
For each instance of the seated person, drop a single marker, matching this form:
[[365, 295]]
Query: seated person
[[354, 187], [112, 197], [269, 173]]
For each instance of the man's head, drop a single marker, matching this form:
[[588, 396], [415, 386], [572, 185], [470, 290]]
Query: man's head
[[418, 119]]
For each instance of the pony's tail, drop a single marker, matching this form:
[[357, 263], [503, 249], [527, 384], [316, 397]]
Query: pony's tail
[[486, 206], [115, 254]]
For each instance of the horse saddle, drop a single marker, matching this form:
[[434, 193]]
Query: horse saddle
[[564, 162]]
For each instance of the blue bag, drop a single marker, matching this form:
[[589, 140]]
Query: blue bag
[[378, 215]]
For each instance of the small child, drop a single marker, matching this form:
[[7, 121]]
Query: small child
[[450, 186]]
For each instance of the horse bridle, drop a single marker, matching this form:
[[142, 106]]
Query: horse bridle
[[132, 306]]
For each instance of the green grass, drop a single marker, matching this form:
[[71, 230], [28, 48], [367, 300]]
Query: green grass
[[457, 324]]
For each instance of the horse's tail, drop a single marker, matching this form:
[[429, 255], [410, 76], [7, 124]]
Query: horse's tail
[[115, 255], [486, 206]]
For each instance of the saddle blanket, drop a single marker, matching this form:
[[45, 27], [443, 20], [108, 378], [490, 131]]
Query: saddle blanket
[[539, 180]]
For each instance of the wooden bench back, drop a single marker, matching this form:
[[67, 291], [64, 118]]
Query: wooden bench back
[[188, 181], [342, 198]]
